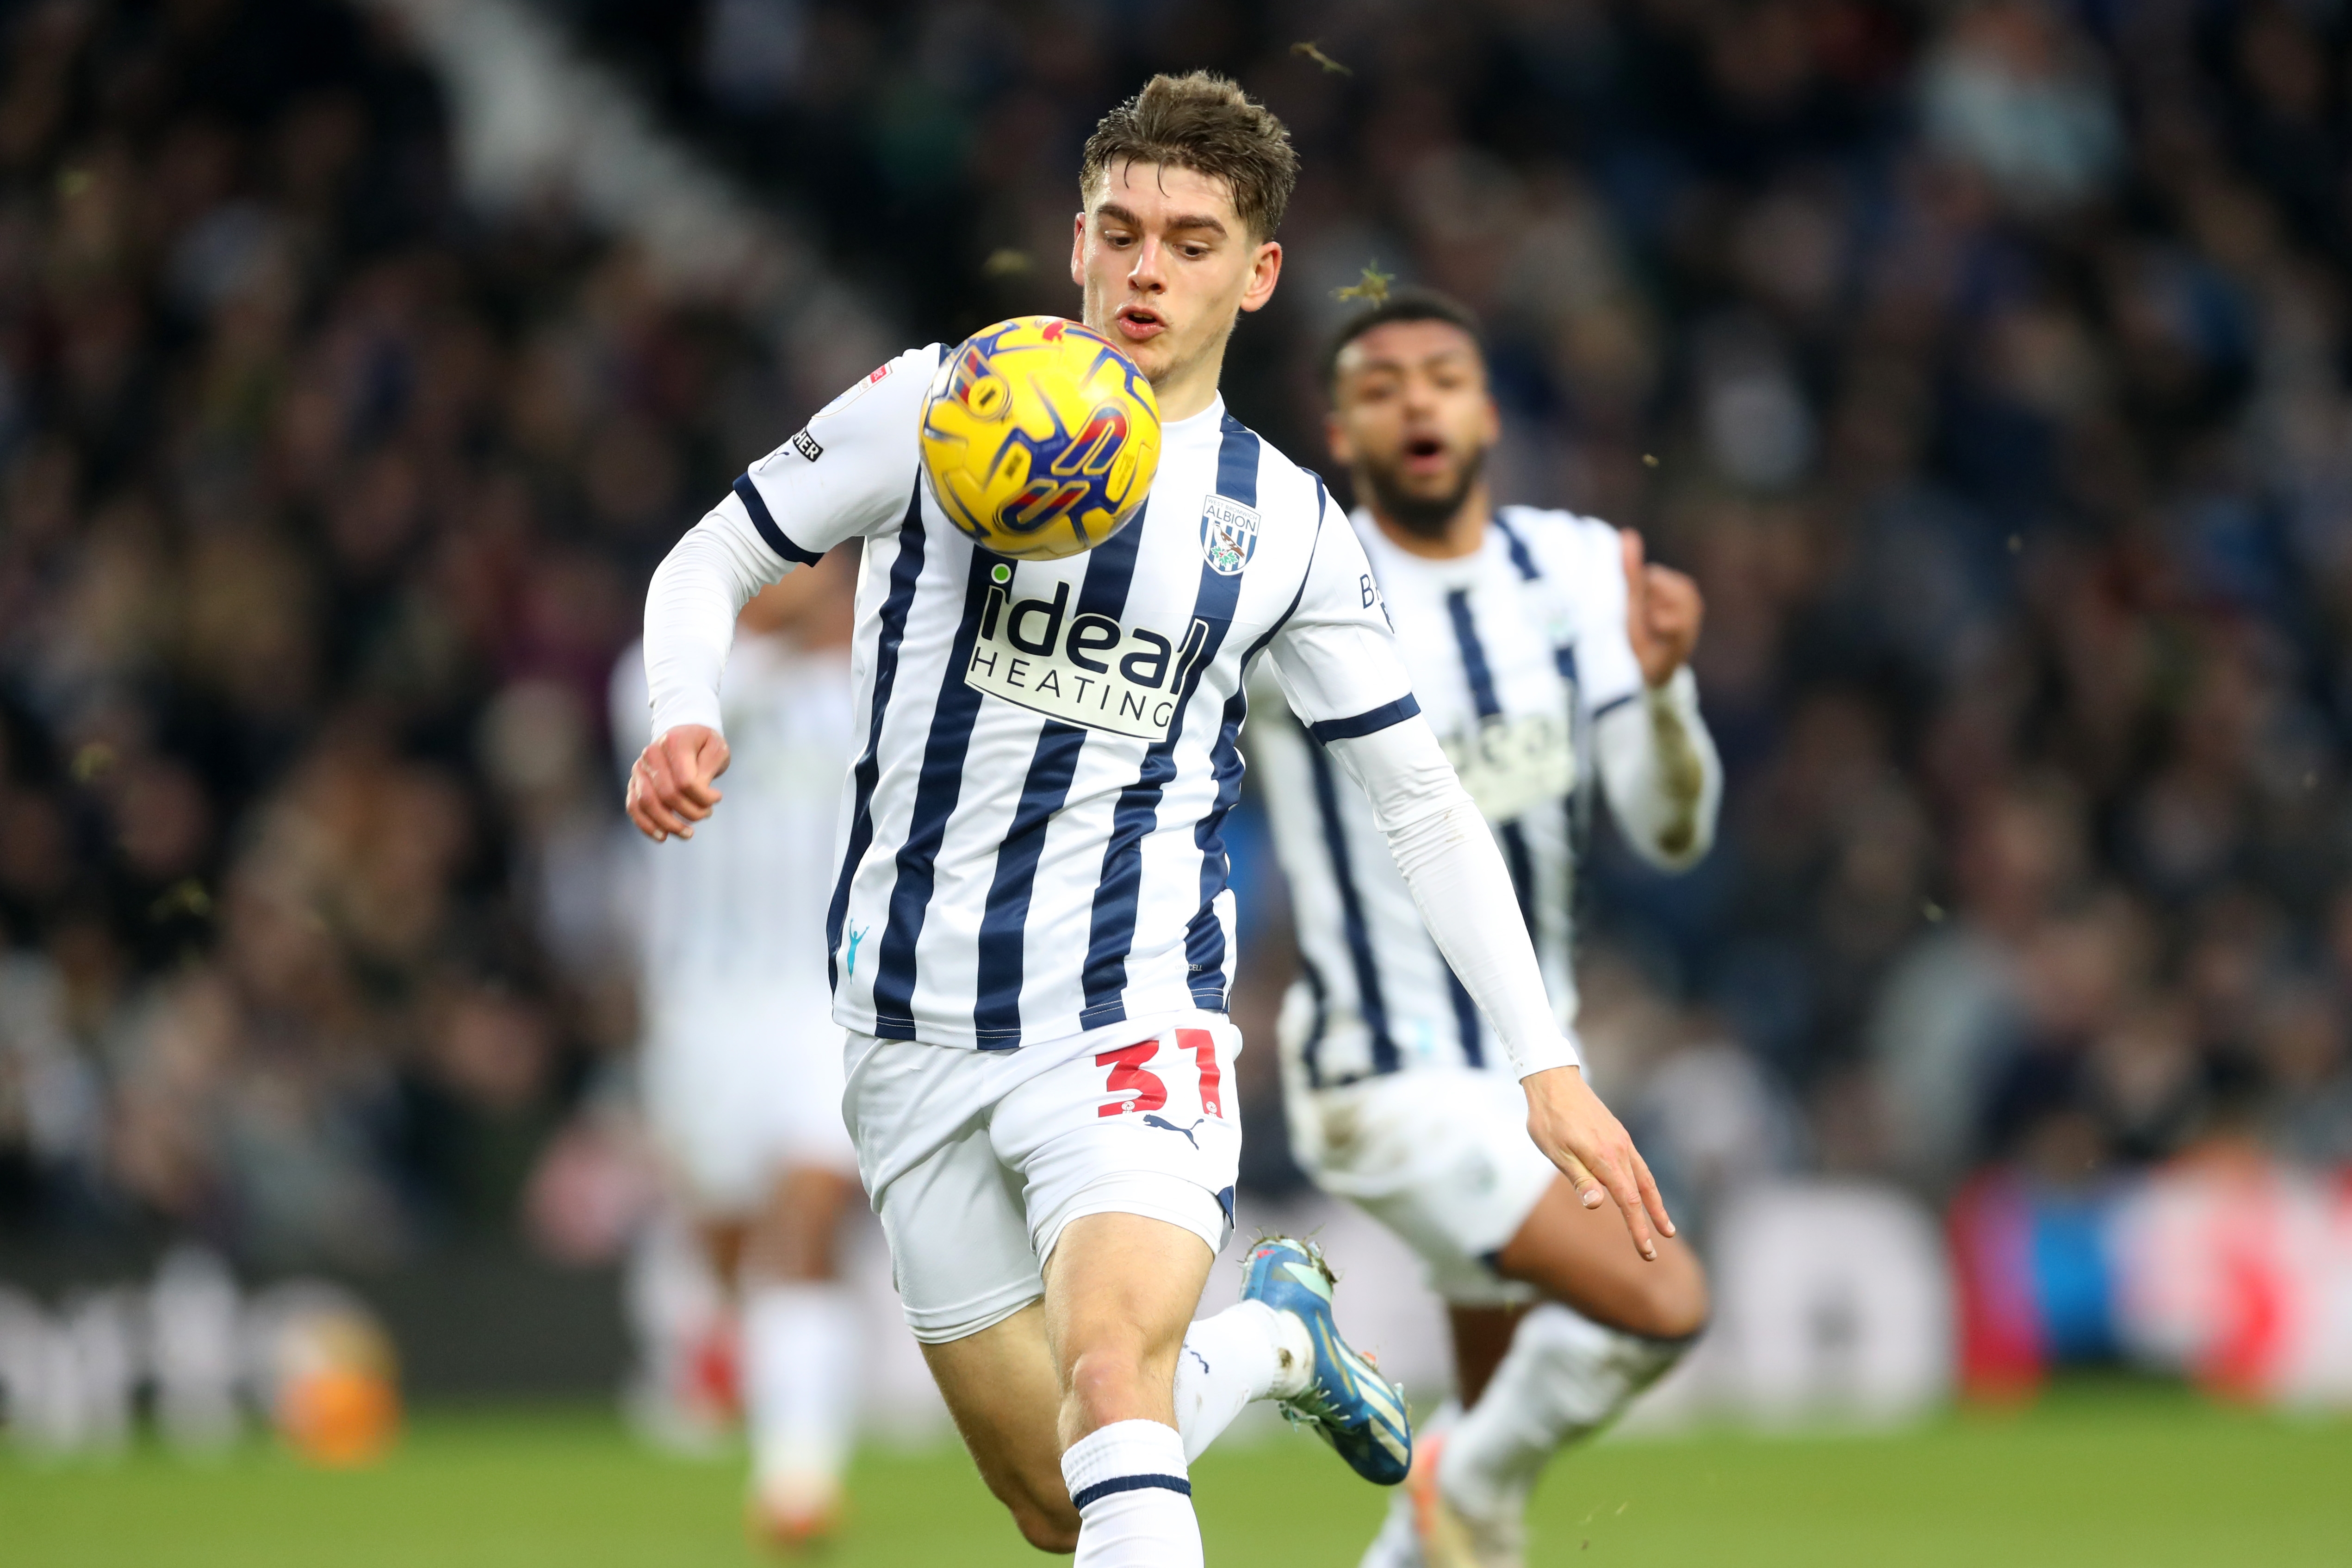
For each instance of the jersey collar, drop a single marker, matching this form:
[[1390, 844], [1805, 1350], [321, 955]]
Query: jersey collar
[[1210, 422], [1390, 561]]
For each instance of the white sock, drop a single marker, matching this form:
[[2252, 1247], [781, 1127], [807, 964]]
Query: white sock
[[1247, 1351], [801, 1366], [676, 1309], [1564, 1379], [1134, 1497]]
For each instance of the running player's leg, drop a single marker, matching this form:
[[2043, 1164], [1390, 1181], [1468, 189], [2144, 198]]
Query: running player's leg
[[1122, 1288], [1438, 1158], [969, 1286], [1119, 1293], [960, 1257], [1152, 1138], [1128, 1205], [1609, 1326], [1482, 1337], [801, 1352], [1129, 1156], [801, 1358], [1505, 1243], [702, 1078], [1569, 1254], [1011, 1397], [682, 1326], [1001, 1389], [1019, 1404]]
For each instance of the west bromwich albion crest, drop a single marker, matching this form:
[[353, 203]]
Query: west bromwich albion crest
[[1228, 535]]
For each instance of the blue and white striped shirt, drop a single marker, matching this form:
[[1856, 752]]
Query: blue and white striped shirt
[[1512, 651], [1046, 751]]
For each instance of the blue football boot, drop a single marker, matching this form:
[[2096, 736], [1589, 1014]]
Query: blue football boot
[[1347, 1401]]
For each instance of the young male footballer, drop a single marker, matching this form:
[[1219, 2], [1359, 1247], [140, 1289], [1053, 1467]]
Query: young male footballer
[[1032, 935], [1547, 657], [741, 1069]]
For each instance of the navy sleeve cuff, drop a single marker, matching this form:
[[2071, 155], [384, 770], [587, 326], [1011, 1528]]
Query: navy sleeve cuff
[[1614, 704], [757, 505], [1378, 719]]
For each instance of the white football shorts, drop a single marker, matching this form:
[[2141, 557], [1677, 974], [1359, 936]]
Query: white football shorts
[[740, 1084], [1440, 1155], [977, 1160]]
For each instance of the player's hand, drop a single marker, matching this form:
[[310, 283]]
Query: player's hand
[[1663, 612], [671, 784], [1591, 1146]]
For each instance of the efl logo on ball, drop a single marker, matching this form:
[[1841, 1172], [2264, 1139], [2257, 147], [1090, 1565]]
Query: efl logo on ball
[[1039, 438]]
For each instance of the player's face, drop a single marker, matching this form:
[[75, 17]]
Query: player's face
[[1411, 416], [1167, 263]]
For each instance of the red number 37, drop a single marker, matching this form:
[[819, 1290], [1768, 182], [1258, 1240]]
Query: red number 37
[[1142, 1090]]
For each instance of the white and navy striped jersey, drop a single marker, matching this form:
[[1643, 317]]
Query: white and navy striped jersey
[[1029, 844], [740, 907], [1513, 650]]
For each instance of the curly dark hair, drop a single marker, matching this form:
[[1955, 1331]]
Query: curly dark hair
[[1405, 305]]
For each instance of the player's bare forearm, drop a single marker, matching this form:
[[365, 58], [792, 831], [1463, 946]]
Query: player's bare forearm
[[673, 784], [1591, 1146]]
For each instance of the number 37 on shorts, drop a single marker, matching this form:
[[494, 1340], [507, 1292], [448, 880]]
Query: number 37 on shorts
[[1187, 1063]]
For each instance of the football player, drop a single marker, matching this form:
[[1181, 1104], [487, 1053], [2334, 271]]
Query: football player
[[1551, 661], [741, 1065]]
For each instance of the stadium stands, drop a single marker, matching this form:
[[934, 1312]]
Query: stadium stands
[[1986, 364]]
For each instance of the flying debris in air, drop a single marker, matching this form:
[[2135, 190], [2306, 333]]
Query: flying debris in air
[[1006, 263], [93, 761], [1372, 290], [1306, 50], [185, 896]]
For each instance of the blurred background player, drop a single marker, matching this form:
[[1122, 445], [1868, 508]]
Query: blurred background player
[[1550, 658], [742, 1065]]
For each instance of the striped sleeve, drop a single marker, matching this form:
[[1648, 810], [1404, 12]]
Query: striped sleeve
[[844, 474]]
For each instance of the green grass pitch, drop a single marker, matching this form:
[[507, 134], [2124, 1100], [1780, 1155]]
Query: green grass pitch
[[2127, 1476]]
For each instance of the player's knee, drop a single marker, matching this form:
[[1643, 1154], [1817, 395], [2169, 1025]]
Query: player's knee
[[1673, 1303], [1108, 1385]]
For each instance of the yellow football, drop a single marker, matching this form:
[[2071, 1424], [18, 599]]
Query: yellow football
[[1040, 439]]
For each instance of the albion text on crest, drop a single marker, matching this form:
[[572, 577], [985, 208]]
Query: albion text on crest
[[1228, 535]]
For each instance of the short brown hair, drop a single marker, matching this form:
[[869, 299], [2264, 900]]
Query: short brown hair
[[1205, 123]]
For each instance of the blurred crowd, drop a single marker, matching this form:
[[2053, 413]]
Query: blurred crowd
[[328, 505], [1986, 363]]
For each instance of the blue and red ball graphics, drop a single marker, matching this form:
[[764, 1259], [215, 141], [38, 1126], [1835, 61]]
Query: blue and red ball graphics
[[1039, 438]]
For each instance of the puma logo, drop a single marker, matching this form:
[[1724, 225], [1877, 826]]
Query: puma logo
[[1168, 1126]]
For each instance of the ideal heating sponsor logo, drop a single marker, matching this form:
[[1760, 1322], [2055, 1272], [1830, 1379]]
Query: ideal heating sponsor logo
[[1085, 669]]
